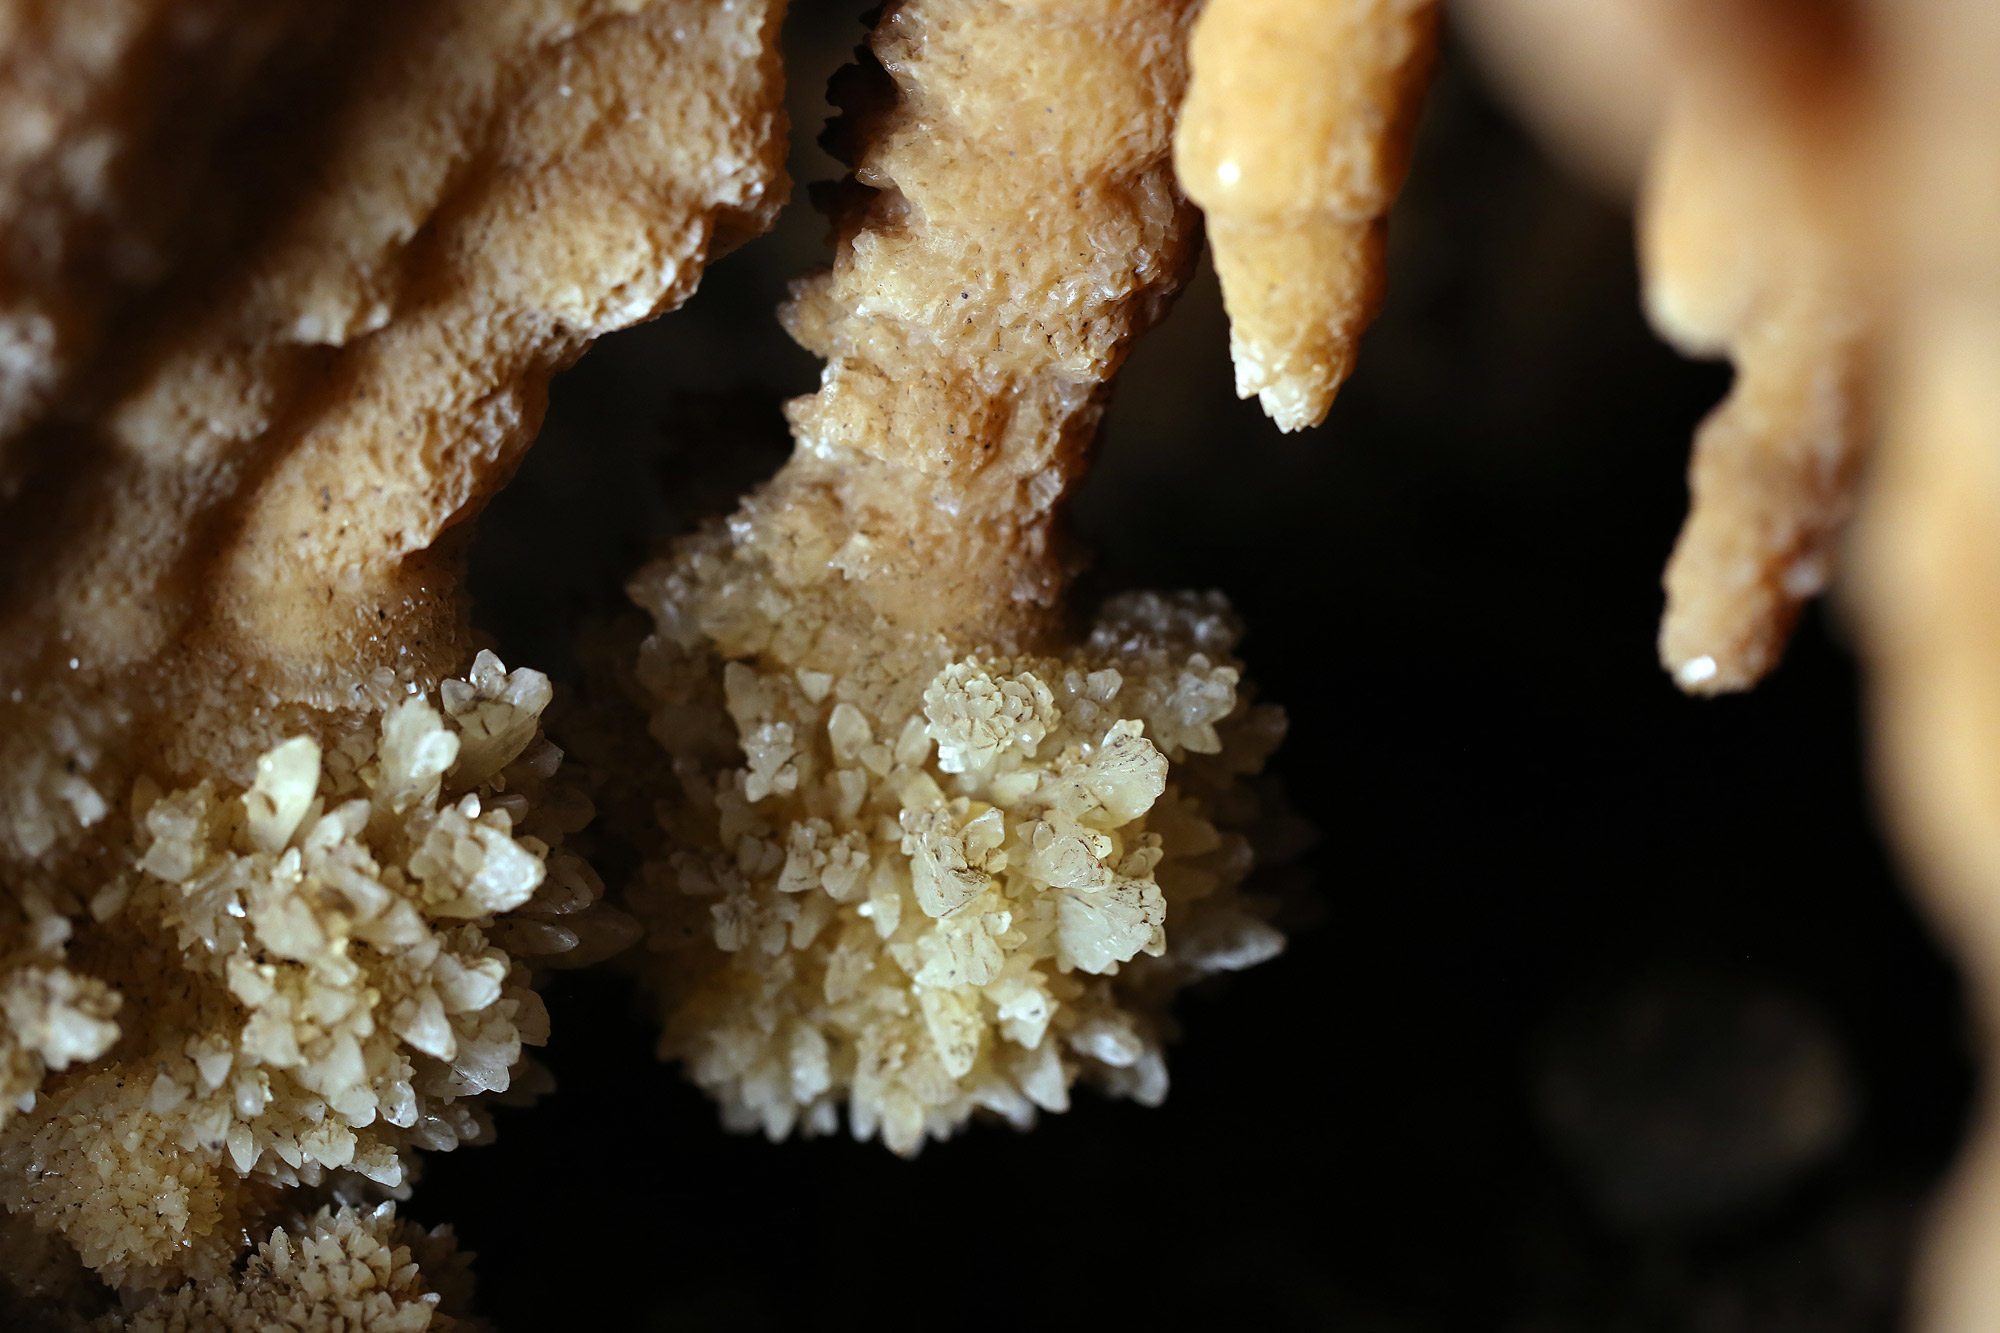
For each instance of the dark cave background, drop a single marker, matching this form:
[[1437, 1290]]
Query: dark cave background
[[1590, 961]]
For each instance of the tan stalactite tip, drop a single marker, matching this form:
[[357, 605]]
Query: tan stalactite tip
[[1294, 139], [1750, 241]]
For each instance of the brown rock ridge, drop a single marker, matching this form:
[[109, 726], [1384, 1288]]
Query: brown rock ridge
[[281, 288], [246, 503]]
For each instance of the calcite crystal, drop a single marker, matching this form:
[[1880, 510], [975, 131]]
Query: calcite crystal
[[320, 972], [336, 1271], [925, 852], [924, 886]]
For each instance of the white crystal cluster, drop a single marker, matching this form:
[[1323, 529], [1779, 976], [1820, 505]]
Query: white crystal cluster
[[934, 883], [319, 971], [340, 1271], [50, 1017], [46, 754]]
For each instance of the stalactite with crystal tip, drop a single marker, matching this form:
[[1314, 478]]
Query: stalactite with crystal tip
[[925, 854]]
